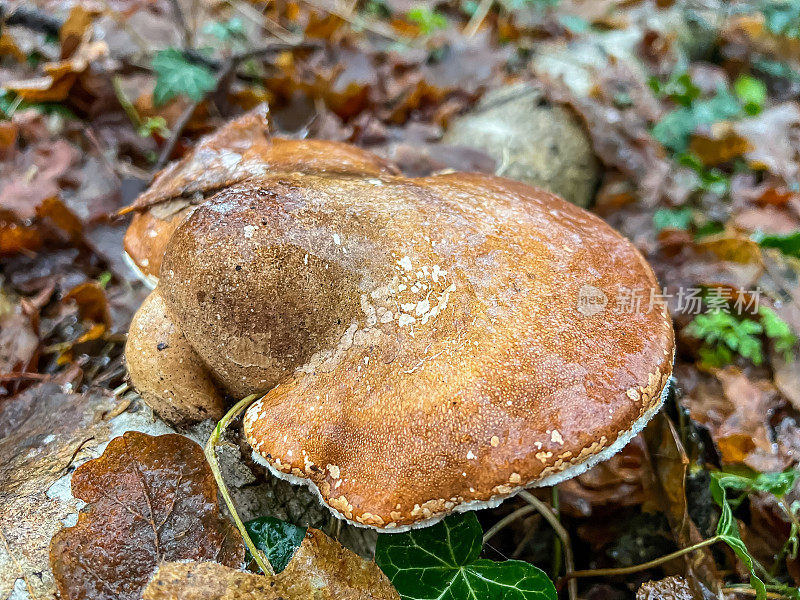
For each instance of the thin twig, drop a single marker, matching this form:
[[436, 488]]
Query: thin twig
[[642, 567], [508, 519], [211, 457], [180, 124], [550, 516], [478, 17], [557, 550], [25, 375], [181, 19]]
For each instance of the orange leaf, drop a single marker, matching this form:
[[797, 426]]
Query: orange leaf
[[718, 149], [8, 47], [91, 301], [73, 29]]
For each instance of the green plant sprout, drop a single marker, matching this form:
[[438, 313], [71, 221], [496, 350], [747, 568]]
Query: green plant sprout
[[725, 335], [426, 19]]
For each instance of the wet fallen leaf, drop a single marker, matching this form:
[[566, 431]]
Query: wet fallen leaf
[[730, 248], [59, 77], [18, 340], [321, 568], [149, 499], [774, 139], [669, 463], [92, 302], [617, 482], [736, 410], [42, 432], [717, 147], [73, 29]]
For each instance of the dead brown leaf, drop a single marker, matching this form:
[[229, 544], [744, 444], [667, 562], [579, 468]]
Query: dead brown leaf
[[736, 410], [73, 29], [150, 499], [42, 432], [92, 302], [321, 568], [719, 146], [18, 340], [669, 463], [732, 248], [774, 137], [60, 76]]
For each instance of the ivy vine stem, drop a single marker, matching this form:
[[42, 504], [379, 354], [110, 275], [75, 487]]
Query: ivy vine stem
[[211, 457], [643, 566]]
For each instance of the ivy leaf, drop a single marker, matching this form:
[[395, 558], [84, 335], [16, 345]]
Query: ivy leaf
[[442, 562], [277, 539], [175, 76], [427, 20], [679, 218], [788, 244], [777, 484]]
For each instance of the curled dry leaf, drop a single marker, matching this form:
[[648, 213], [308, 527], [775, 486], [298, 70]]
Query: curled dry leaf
[[59, 77], [150, 499], [91, 301], [774, 140], [320, 569]]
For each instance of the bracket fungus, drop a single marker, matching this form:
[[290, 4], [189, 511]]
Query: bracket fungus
[[425, 345]]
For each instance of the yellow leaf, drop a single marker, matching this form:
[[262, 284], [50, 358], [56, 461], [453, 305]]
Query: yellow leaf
[[321, 569]]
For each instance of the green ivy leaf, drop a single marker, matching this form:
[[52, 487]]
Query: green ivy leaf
[[788, 244], [441, 562], [175, 76], [675, 128], [679, 218], [277, 539], [728, 531], [778, 484], [225, 30], [783, 18]]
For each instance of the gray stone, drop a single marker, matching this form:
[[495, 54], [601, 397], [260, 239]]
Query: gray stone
[[531, 141]]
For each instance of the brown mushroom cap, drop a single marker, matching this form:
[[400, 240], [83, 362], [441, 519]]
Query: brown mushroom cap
[[166, 370], [240, 150], [425, 335]]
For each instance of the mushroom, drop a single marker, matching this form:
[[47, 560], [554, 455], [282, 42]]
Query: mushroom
[[240, 150], [425, 345]]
